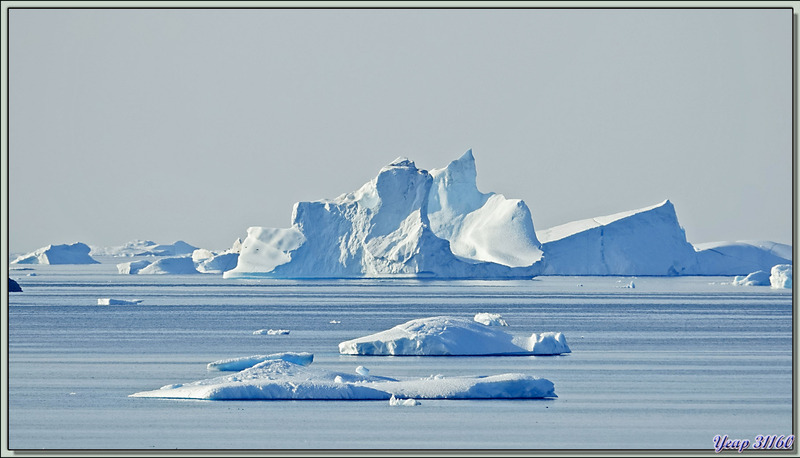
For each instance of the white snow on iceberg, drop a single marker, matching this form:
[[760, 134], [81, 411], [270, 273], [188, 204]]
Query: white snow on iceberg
[[77, 253], [132, 267], [404, 222], [271, 332], [240, 364], [283, 380], [781, 276], [451, 336]]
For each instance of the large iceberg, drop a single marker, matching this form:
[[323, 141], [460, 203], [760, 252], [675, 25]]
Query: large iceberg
[[276, 379], [77, 253], [411, 222], [170, 265], [758, 278], [404, 222], [452, 336], [648, 241]]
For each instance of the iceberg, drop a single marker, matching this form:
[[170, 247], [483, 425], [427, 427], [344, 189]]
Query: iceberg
[[240, 364], [146, 248], [451, 336], [77, 253], [781, 276], [177, 265], [110, 301], [13, 286], [490, 319], [132, 267], [217, 263], [278, 379], [405, 222], [393, 401], [758, 278], [740, 258], [272, 332], [647, 241]]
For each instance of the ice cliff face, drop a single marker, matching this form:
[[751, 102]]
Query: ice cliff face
[[407, 222], [648, 241]]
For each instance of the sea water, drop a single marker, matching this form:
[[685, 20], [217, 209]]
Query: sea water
[[666, 365]]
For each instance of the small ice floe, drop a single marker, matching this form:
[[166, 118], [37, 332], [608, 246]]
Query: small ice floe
[[240, 364], [361, 370], [32, 274], [393, 401], [110, 301], [490, 319], [335, 322], [630, 285], [271, 332]]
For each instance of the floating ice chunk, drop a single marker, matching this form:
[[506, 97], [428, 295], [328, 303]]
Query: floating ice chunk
[[132, 267], [201, 254], [549, 343], [271, 332], [630, 285], [110, 301], [146, 248], [440, 336], [781, 276], [240, 364], [393, 401], [759, 278], [490, 319], [361, 370], [335, 322], [77, 253], [218, 263], [280, 379]]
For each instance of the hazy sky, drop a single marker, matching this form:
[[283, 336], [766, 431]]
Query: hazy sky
[[196, 124]]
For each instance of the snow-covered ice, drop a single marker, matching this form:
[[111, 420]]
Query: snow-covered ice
[[781, 276], [281, 379], [217, 263], [758, 278], [739, 258], [450, 336], [361, 370], [111, 301], [145, 248], [490, 319], [240, 364], [77, 253]]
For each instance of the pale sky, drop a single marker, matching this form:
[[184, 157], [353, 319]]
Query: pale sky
[[196, 124]]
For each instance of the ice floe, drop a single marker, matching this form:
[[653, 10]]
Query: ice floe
[[110, 301], [781, 276], [271, 332], [278, 379], [758, 278], [240, 364]]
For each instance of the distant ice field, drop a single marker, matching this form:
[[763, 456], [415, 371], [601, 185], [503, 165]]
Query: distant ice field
[[666, 365]]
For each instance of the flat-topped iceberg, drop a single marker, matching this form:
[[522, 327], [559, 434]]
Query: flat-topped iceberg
[[405, 222], [279, 379], [452, 336], [112, 301], [781, 276], [172, 265], [77, 253]]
